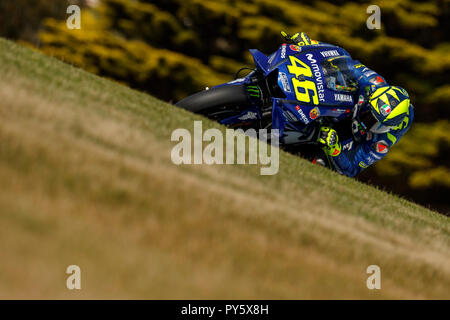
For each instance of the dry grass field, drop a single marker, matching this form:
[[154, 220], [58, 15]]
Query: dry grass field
[[86, 179]]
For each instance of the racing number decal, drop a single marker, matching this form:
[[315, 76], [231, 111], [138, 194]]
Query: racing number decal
[[303, 89], [301, 69], [306, 87]]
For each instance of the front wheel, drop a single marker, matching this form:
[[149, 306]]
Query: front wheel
[[217, 103]]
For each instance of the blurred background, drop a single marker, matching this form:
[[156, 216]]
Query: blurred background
[[173, 48]]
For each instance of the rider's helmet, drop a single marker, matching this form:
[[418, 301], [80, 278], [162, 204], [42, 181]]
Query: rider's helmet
[[388, 108]]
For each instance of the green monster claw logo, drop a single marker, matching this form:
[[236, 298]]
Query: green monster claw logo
[[253, 91]]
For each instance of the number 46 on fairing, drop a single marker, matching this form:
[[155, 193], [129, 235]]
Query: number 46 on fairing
[[304, 89]]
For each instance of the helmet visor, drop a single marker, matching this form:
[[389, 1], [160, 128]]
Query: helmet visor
[[380, 128], [372, 123]]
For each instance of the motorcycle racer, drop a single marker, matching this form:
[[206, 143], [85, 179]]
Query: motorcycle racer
[[381, 117]]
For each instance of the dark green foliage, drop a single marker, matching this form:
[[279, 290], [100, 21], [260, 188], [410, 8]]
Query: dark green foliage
[[22, 19]]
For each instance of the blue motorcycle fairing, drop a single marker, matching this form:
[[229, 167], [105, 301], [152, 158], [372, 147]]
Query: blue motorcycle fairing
[[239, 81], [308, 113], [313, 58], [278, 119], [261, 61], [332, 103], [286, 118]]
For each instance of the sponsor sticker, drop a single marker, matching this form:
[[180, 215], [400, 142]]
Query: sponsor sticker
[[379, 80], [249, 116], [293, 47], [329, 53], [363, 165], [318, 76], [302, 114], [341, 110], [369, 73], [314, 113], [343, 97], [348, 146], [283, 51], [284, 82], [381, 147]]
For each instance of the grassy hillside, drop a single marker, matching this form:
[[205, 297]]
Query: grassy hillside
[[87, 179]]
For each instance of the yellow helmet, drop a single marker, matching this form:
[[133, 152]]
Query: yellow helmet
[[388, 106]]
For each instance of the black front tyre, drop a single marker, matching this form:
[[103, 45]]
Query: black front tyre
[[224, 100]]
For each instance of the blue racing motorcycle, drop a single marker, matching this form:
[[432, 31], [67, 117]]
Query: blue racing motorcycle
[[296, 90]]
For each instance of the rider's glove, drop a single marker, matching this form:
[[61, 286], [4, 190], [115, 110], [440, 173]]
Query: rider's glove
[[329, 138], [300, 39]]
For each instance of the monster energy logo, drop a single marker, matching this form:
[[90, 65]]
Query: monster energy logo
[[253, 91]]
